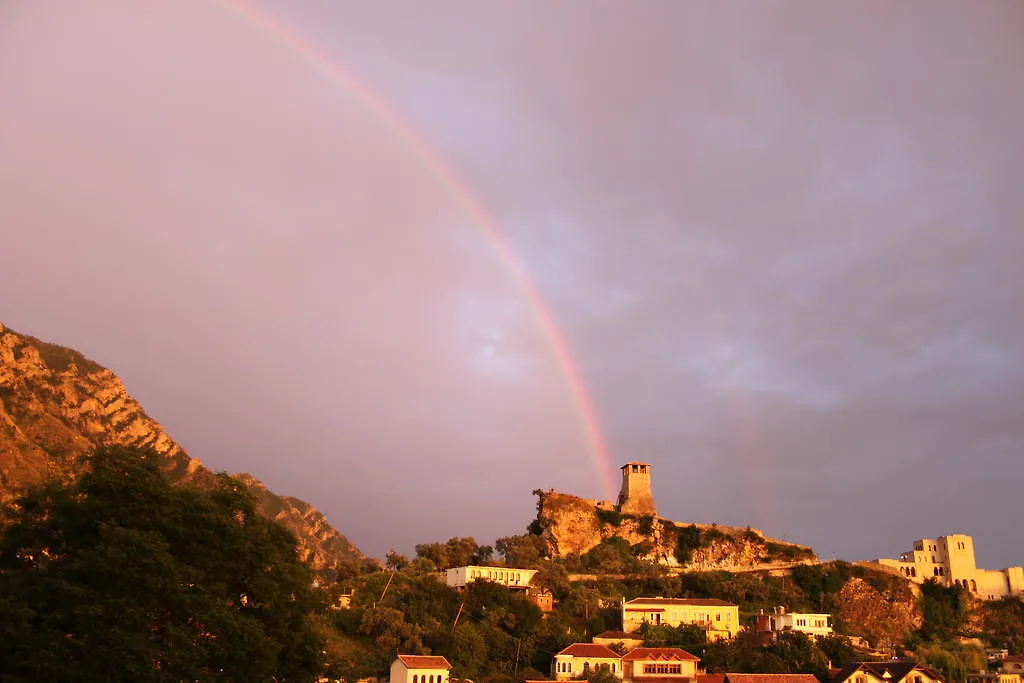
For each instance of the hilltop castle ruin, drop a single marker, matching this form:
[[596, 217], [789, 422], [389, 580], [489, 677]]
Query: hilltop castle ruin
[[635, 496]]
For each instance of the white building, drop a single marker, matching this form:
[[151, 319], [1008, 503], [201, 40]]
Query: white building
[[812, 624], [459, 577], [949, 560], [580, 659], [420, 669]]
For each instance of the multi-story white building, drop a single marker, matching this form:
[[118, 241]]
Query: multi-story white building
[[459, 577], [949, 560], [780, 620]]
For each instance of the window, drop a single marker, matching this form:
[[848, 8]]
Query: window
[[586, 668], [431, 678], [663, 668], [718, 616], [414, 678]]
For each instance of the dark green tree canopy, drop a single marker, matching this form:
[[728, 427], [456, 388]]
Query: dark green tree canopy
[[121, 576]]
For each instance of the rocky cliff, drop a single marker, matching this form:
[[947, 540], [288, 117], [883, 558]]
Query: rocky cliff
[[882, 614], [571, 525], [56, 405]]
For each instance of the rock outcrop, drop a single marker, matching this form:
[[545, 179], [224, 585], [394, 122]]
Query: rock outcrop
[[56, 405], [882, 615], [570, 525]]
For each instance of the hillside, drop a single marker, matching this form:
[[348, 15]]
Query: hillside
[[56, 405], [573, 526]]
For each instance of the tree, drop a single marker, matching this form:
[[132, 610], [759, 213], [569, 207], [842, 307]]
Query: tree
[[121, 576], [525, 551]]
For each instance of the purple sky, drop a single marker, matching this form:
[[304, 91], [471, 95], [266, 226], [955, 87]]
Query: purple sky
[[783, 241]]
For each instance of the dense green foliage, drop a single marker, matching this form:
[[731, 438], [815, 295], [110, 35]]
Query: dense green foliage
[[120, 576]]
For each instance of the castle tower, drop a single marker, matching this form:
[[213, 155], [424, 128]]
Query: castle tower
[[635, 496]]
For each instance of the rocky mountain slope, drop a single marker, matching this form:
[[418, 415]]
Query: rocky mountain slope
[[570, 525], [56, 405]]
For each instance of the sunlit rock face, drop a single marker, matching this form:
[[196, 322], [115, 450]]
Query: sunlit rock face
[[571, 525], [56, 405]]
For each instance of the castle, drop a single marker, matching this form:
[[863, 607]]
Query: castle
[[949, 560], [635, 496]]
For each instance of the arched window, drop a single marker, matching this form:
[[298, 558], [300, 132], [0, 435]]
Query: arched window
[[586, 668], [935, 571], [974, 585], [913, 571], [414, 678], [431, 678]]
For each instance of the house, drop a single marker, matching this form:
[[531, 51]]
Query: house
[[949, 560], [993, 677], [756, 678], [719, 619], [419, 669], [618, 639], [579, 659], [542, 598], [886, 672], [459, 577], [659, 665], [816, 625]]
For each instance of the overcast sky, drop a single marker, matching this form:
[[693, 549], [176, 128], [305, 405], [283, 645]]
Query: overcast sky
[[783, 242]]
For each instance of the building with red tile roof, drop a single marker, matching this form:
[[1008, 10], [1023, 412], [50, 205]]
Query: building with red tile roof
[[579, 659], [419, 669], [659, 665]]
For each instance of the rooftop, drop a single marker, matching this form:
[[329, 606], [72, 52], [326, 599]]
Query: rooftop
[[696, 602], [424, 662], [656, 653], [589, 650]]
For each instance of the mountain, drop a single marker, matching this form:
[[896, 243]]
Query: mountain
[[57, 405]]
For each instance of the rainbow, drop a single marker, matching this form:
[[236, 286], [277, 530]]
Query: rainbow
[[432, 161]]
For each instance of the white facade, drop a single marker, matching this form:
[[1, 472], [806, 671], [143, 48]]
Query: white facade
[[459, 577], [811, 624], [419, 669], [949, 560]]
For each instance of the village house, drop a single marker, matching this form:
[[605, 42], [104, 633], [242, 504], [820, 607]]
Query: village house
[[756, 678], [1012, 665], [639, 665], [419, 669], [780, 620], [542, 598], [993, 677], [885, 672], [459, 577], [659, 665], [949, 560], [719, 619], [579, 659]]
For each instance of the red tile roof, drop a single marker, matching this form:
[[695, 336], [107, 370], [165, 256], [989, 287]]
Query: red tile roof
[[619, 635], [424, 662], [771, 678], [656, 653], [697, 602], [589, 650], [710, 678]]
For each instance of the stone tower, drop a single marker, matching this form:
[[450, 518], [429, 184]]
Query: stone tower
[[635, 496]]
